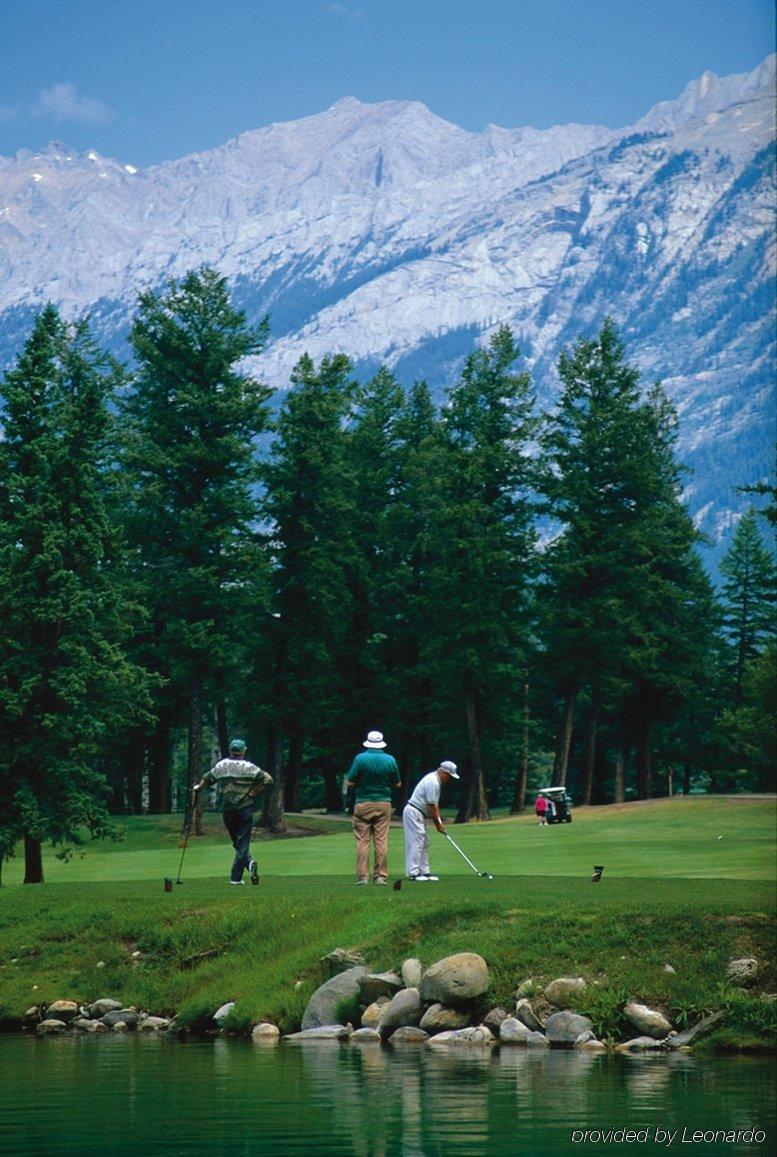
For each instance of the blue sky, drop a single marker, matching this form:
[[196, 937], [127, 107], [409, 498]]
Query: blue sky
[[150, 80]]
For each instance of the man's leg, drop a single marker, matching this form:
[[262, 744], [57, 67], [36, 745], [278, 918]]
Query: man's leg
[[239, 822], [380, 829], [415, 831], [362, 831]]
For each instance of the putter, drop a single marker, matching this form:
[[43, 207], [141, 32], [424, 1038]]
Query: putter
[[185, 842], [483, 875]]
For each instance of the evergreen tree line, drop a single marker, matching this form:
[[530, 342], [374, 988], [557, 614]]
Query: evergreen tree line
[[519, 592]]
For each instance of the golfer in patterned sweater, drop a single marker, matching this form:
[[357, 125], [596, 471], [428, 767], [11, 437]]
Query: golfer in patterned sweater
[[239, 783], [373, 773]]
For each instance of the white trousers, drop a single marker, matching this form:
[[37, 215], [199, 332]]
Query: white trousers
[[416, 842]]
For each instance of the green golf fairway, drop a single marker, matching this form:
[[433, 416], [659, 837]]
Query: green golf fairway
[[724, 837]]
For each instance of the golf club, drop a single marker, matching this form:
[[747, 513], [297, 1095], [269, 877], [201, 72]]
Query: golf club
[[483, 875], [185, 841]]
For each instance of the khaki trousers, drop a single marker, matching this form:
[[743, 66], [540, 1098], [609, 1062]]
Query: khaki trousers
[[371, 824]]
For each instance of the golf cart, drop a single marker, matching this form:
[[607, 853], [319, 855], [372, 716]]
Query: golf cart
[[559, 809]]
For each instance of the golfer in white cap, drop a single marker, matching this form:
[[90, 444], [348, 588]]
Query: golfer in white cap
[[423, 803]]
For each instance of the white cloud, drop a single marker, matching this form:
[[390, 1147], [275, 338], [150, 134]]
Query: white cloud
[[345, 10], [61, 102]]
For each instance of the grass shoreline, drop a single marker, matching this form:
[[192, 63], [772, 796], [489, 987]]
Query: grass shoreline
[[540, 918]]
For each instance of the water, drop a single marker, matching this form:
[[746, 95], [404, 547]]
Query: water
[[83, 1095]]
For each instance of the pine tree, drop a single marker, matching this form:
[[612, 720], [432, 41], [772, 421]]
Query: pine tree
[[623, 577], [191, 423], [593, 475], [480, 541], [67, 689], [748, 594], [310, 504]]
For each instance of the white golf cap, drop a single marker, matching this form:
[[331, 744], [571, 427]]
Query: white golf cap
[[450, 767], [374, 739]]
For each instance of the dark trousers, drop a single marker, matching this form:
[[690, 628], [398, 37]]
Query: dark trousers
[[239, 821]]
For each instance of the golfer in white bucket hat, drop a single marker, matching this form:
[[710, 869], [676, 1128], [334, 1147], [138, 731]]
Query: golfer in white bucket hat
[[424, 803], [373, 773]]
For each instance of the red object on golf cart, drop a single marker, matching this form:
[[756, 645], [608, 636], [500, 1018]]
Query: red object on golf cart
[[559, 805]]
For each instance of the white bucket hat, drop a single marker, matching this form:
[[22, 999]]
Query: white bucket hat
[[450, 767], [374, 739]]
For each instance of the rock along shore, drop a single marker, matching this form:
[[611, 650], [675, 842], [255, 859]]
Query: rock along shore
[[444, 1005]]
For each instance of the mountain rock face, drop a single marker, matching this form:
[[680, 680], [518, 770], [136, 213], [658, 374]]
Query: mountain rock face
[[389, 234]]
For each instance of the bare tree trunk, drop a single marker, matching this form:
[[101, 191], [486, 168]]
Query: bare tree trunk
[[519, 799], [474, 805], [564, 737], [159, 763], [293, 771], [620, 778], [194, 755], [272, 817], [33, 860], [687, 777], [589, 748], [644, 757], [333, 796], [222, 730]]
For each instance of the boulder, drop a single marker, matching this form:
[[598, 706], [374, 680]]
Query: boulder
[[100, 1007], [592, 1046], [324, 1006], [494, 1018], [647, 1021], [32, 1013], [120, 1026], [564, 1028], [365, 1036], [455, 979], [403, 1009], [66, 1010], [412, 971], [525, 988], [537, 1040], [409, 1034], [375, 984], [513, 1031], [126, 1016], [153, 1024], [321, 1032], [743, 972], [565, 991], [266, 1033], [689, 1035], [342, 960], [439, 1018], [478, 1035], [223, 1012], [640, 1044], [51, 1026], [371, 1014], [526, 1015]]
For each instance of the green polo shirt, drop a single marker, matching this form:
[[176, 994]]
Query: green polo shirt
[[373, 773]]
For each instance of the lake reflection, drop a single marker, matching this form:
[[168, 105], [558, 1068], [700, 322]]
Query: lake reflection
[[75, 1095]]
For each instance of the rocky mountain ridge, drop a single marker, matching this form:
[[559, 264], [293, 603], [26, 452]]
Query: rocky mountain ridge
[[390, 234]]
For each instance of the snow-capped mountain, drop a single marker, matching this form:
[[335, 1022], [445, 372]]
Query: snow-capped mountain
[[387, 233]]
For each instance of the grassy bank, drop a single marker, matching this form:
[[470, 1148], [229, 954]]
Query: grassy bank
[[673, 892]]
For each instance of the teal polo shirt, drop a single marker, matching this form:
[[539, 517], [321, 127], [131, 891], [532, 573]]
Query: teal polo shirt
[[374, 773]]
